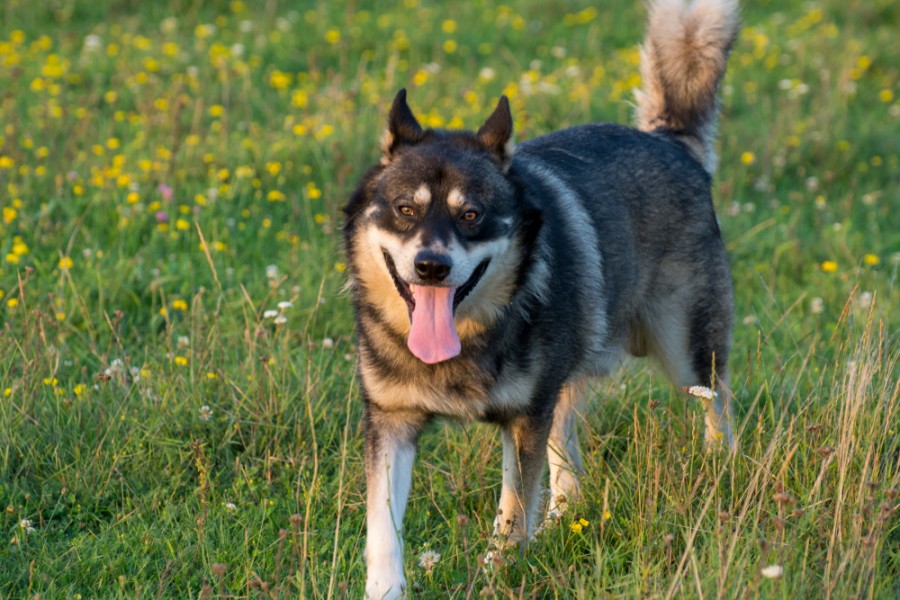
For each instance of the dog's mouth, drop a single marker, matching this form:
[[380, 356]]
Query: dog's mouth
[[432, 334]]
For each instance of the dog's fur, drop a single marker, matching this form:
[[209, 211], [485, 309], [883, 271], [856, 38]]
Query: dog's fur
[[490, 283]]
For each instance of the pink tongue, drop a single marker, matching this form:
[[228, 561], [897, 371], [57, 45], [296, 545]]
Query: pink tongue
[[432, 336]]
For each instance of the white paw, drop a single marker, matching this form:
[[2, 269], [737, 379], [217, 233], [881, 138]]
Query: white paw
[[554, 514], [385, 586]]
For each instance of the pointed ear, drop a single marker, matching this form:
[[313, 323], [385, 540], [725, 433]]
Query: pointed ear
[[497, 133], [402, 127]]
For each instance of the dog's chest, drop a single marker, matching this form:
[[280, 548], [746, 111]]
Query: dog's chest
[[458, 394]]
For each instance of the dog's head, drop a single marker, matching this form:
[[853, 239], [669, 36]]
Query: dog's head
[[434, 232]]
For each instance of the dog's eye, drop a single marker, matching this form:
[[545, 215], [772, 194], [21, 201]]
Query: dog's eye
[[470, 216], [406, 211]]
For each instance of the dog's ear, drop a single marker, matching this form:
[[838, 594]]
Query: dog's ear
[[497, 133], [402, 128]]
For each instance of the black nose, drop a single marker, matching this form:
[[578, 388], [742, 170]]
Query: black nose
[[432, 267]]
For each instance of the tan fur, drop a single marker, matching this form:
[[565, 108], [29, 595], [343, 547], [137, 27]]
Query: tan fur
[[682, 63], [377, 286], [524, 455], [387, 139], [441, 391], [455, 199], [563, 451]]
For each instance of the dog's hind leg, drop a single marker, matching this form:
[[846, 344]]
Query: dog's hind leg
[[524, 454], [563, 451], [690, 336]]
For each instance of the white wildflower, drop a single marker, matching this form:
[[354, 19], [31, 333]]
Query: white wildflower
[[231, 506], [428, 559], [183, 341], [284, 304], [328, 343], [169, 25], [816, 305], [772, 571], [116, 369], [280, 320], [272, 271], [25, 523], [270, 314], [92, 43], [205, 413], [699, 391], [865, 300]]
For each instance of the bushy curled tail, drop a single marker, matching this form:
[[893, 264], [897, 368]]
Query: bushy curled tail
[[682, 63]]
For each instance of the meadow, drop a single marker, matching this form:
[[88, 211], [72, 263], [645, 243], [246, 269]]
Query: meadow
[[179, 411]]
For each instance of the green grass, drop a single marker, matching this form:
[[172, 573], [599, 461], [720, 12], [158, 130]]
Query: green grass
[[164, 182]]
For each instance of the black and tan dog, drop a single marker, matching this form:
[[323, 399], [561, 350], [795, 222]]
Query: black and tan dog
[[490, 283]]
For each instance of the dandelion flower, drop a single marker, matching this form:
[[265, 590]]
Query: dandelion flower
[[428, 559]]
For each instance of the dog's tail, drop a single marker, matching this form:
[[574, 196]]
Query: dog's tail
[[682, 63]]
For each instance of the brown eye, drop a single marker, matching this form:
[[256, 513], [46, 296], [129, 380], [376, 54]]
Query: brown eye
[[470, 215], [406, 211]]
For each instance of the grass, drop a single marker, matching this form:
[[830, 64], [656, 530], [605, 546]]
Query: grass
[[170, 172]]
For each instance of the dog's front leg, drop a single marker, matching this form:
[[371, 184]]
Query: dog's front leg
[[524, 456], [390, 451]]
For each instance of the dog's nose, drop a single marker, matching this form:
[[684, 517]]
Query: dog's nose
[[432, 267]]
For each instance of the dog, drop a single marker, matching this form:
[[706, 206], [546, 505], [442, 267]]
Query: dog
[[491, 281]]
